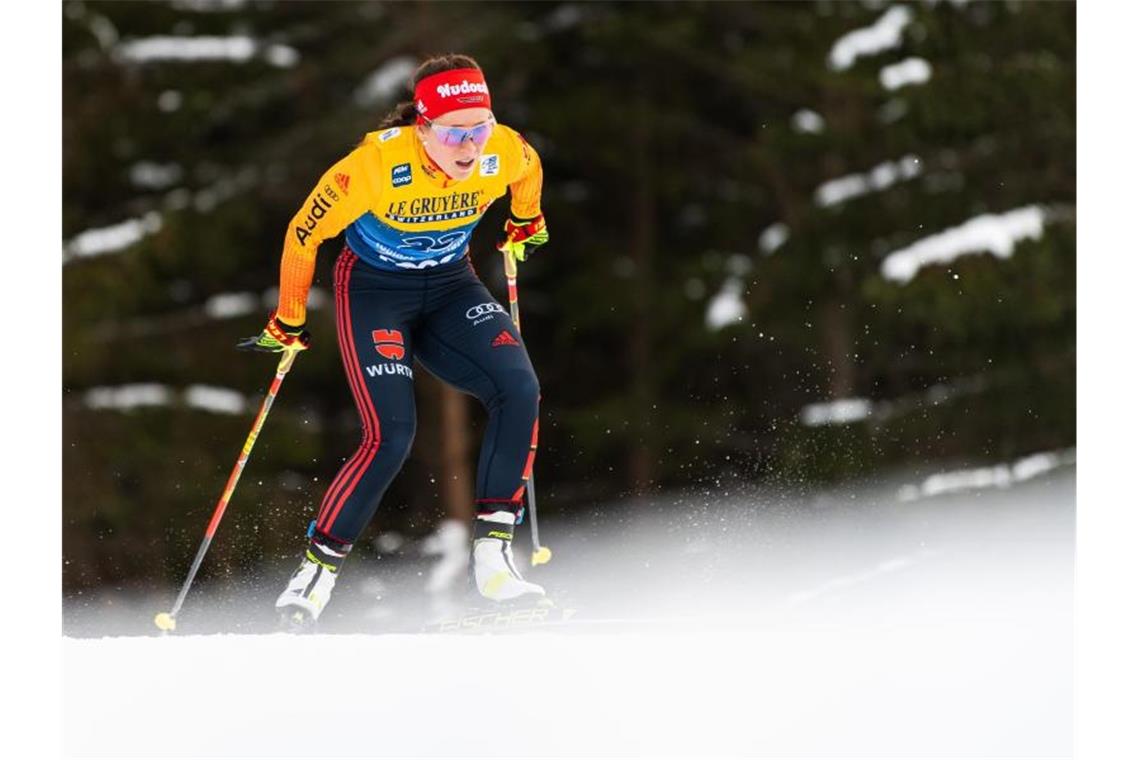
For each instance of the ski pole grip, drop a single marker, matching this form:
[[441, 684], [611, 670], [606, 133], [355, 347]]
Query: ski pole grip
[[287, 357], [510, 265]]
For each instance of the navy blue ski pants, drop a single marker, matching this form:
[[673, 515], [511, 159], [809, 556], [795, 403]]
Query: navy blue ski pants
[[445, 318]]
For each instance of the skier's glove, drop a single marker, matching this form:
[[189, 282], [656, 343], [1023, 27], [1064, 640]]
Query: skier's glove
[[277, 337], [522, 236]]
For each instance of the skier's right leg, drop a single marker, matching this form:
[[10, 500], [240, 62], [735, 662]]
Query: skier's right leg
[[373, 331]]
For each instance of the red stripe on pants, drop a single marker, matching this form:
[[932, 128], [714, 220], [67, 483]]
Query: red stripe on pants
[[351, 473], [529, 466], [346, 470]]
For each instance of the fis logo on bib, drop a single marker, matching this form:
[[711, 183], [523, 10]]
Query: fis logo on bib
[[489, 165], [401, 175], [388, 134]]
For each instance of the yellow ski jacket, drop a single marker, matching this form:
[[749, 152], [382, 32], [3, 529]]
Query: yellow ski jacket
[[401, 210]]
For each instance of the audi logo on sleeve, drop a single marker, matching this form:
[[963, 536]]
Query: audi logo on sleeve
[[483, 312]]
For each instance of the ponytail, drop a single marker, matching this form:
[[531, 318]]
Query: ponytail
[[403, 115]]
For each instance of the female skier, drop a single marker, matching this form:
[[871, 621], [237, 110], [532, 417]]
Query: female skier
[[410, 195]]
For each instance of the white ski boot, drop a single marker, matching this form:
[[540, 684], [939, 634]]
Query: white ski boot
[[496, 576], [310, 587]]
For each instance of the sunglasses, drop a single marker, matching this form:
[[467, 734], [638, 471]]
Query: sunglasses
[[453, 137]]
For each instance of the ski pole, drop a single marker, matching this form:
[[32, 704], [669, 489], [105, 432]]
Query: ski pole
[[166, 620], [540, 554]]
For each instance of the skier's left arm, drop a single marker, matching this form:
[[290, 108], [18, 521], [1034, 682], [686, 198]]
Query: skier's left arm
[[525, 229]]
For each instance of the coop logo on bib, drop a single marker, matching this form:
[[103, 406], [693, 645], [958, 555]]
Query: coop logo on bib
[[401, 175], [489, 165]]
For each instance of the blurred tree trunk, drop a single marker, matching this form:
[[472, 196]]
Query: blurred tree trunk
[[836, 338], [451, 456], [440, 467], [454, 454], [845, 112], [642, 472]]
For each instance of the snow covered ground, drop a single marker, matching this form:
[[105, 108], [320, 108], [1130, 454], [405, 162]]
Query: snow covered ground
[[845, 622]]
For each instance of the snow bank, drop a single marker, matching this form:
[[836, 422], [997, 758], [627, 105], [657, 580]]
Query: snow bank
[[150, 175], [125, 398], [994, 233], [878, 690], [708, 624], [208, 6], [773, 236], [882, 176], [211, 398], [846, 410], [837, 412], [998, 476], [128, 397], [235, 49], [119, 237], [806, 121], [884, 34], [116, 237], [229, 305], [903, 73], [727, 306]]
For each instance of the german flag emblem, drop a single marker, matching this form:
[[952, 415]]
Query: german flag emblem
[[389, 343]]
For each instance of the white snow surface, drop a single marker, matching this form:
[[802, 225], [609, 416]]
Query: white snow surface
[[993, 233], [281, 56], [120, 237], [169, 101], [208, 6], [151, 175], [126, 398], [116, 237], [386, 82], [235, 48], [773, 236], [911, 71], [211, 398], [839, 623], [837, 412], [884, 34], [228, 305], [997, 476], [689, 694], [846, 410], [100, 26], [882, 176], [807, 121], [727, 306]]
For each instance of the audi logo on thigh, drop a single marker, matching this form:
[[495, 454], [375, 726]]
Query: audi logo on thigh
[[484, 311]]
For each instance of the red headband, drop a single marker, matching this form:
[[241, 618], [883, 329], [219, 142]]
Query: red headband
[[450, 91]]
